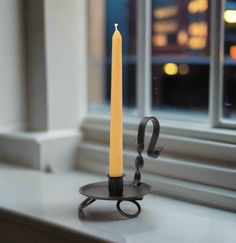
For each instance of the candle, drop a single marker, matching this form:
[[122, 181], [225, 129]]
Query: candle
[[116, 140]]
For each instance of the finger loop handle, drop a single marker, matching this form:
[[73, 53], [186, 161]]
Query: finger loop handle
[[152, 151], [128, 214]]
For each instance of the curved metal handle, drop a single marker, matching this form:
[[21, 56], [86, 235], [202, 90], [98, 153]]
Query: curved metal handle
[[152, 151]]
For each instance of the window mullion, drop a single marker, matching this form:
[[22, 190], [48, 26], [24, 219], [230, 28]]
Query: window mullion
[[143, 57], [223, 122], [216, 59]]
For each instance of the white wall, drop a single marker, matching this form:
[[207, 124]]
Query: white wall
[[12, 65], [65, 35], [55, 61]]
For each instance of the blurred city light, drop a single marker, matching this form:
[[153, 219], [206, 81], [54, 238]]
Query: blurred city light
[[198, 28], [160, 40], [230, 16], [232, 52], [170, 68], [165, 26], [197, 43], [197, 6], [182, 37], [165, 12], [183, 69]]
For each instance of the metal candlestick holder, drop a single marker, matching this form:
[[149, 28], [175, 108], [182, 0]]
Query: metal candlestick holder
[[115, 189]]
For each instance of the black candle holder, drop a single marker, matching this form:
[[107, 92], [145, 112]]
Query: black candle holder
[[115, 189]]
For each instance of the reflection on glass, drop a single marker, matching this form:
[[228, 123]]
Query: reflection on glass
[[229, 87], [103, 15], [180, 58]]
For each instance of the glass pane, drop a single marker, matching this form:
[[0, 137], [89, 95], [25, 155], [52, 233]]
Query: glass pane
[[229, 87], [102, 16], [180, 58]]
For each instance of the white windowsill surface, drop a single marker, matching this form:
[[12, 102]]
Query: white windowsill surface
[[52, 199]]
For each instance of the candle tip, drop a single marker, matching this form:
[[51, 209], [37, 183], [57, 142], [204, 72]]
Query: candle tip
[[116, 25]]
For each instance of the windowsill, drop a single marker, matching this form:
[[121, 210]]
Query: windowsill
[[50, 201], [171, 127]]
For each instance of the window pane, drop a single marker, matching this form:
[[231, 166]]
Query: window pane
[[229, 87], [102, 16], [180, 58]]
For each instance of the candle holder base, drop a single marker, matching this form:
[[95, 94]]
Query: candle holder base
[[132, 190], [100, 191]]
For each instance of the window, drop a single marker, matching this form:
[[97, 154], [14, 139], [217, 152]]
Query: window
[[173, 69], [180, 58], [168, 59]]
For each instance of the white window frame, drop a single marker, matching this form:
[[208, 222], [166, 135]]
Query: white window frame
[[217, 64], [194, 153]]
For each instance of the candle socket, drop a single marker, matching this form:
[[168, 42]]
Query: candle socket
[[115, 185]]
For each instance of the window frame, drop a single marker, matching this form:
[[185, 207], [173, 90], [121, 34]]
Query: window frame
[[217, 65], [215, 108], [216, 58], [199, 154], [216, 127], [144, 24]]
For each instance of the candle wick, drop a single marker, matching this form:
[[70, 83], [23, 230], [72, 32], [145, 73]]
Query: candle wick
[[116, 25]]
